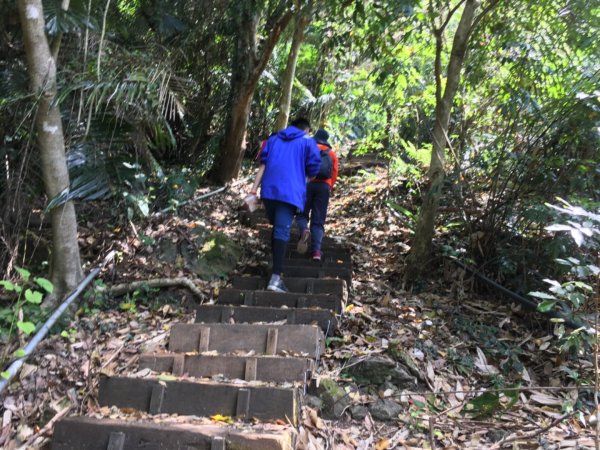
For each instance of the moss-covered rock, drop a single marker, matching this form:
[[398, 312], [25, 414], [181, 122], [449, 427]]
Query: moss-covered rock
[[208, 254], [217, 255], [378, 370], [334, 397]]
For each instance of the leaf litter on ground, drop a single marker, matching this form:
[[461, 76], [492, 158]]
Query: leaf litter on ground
[[487, 375]]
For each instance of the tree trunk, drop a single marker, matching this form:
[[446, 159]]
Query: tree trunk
[[421, 246], [287, 82], [65, 264], [248, 65]]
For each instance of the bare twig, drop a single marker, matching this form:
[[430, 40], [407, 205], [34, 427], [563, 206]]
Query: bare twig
[[530, 434], [59, 415]]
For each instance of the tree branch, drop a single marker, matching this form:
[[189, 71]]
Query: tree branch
[[270, 42], [484, 11], [124, 288]]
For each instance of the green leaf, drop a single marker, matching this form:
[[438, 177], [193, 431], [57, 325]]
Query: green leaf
[[34, 297], [24, 273], [564, 262], [26, 327], [19, 353], [513, 395], [45, 284], [485, 404], [558, 227], [543, 295], [5, 374], [546, 305], [8, 285]]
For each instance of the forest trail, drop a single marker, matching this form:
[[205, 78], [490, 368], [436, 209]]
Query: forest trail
[[249, 357], [444, 368]]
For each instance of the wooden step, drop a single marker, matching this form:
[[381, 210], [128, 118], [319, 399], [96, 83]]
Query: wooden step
[[303, 269], [255, 314], [318, 272], [276, 299], [327, 255], [192, 398], [275, 369], [328, 243], [324, 263], [299, 285], [87, 433], [257, 217], [296, 340]]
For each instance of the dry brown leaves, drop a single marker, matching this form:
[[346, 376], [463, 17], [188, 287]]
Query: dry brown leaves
[[456, 344]]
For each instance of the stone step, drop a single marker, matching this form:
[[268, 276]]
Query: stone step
[[299, 285], [86, 433], [297, 340], [274, 369], [256, 314], [276, 299], [193, 398]]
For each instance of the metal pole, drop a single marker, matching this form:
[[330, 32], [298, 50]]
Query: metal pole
[[30, 347], [568, 321]]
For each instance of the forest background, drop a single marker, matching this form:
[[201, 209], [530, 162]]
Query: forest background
[[486, 115]]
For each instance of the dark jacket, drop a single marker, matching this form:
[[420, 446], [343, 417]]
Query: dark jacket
[[290, 156]]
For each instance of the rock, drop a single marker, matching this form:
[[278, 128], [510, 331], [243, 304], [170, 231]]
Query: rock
[[313, 401], [168, 251], [334, 398], [385, 410], [378, 370], [359, 412], [396, 351], [208, 255], [217, 255], [387, 389]]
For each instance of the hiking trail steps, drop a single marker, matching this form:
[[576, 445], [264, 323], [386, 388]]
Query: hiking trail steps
[[248, 357]]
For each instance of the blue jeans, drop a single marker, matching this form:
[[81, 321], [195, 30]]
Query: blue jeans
[[315, 209], [281, 216]]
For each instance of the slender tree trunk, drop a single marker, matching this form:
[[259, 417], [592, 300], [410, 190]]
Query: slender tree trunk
[[287, 82], [248, 65], [66, 265], [421, 245]]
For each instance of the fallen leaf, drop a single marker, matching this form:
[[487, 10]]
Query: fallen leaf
[[382, 444]]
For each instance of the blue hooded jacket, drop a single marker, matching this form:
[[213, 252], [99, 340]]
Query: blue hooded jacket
[[289, 157]]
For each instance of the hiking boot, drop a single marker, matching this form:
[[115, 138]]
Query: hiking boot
[[316, 255], [302, 246], [276, 285]]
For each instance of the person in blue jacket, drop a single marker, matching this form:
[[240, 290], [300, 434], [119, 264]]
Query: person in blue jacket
[[287, 161]]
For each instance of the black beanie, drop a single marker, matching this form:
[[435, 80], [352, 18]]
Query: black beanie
[[322, 136]]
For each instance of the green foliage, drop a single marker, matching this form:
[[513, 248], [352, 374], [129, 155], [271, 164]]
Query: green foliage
[[573, 295], [24, 311], [486, 336]]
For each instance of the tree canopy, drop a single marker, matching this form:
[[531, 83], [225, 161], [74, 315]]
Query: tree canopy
[[147, 86]]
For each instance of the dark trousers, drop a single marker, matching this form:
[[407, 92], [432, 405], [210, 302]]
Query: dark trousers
[[281, 216], [315, 210]]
